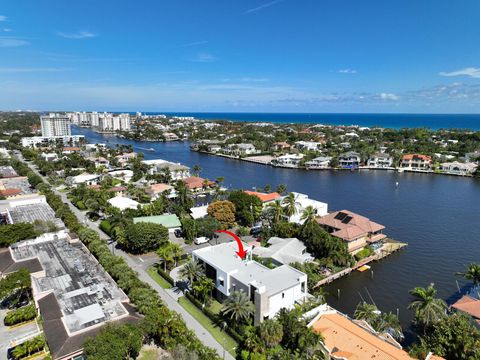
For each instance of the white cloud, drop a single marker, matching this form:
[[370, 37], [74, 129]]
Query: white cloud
[[83, 34], [347, 71], [7, 30], [263, 6], [12, 42], [204, 57], [3, 18], [195, 43], [389, 96], [250, 79], [469, 71]]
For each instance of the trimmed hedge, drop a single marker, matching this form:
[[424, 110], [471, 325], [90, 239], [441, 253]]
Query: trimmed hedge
[[166, 276], [20, 315]]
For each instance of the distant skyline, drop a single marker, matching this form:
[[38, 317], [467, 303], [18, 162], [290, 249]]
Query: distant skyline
[[372, 56]]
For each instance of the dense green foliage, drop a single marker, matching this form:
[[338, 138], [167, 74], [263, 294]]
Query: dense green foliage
[[144, 237], [19, 280], [247, 207], [20, 315], [11, 233], [380, 321], [114, 342], [29, 347]]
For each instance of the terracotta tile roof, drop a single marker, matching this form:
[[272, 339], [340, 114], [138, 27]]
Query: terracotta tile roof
[[118, 188], [11, 192], [195, 182], [158, 188], [349, 226], [264, 196], [417, 156], [468, 305], [71, 149], [346, 340]]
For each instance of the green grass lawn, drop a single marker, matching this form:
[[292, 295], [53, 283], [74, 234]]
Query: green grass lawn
[[215, 307], [221, 336], [150, 354], [160, 280]]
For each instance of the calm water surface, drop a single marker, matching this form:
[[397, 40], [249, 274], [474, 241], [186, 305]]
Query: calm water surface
[[438, 216]]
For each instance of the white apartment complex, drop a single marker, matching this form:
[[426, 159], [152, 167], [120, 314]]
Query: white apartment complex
[[102, 122], [55, 125]]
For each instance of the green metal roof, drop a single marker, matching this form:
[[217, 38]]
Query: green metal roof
[[169, 221]]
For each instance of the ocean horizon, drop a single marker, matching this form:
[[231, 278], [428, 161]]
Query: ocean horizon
[[389, 120]]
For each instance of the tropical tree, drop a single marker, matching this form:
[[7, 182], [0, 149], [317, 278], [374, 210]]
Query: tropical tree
[[271, 332], [166, 254], [143, 237], [196, 170], [276, 211], [290, 205], [223, 211], [472, 273], [281, 189], [238, 308], [390, 323], [428, 308], [191, 270], [203, 287], [367, 312]]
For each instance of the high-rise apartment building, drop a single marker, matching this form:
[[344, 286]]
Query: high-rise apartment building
[[55, 125]]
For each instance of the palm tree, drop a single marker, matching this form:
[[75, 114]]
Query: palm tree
[[238, 308], [290, 205], [276, 210], [203, 287], [281, 189], [166, 253], [271, 332], [308, 215], [367, 312], [191, 270], [390, 323], [428, 309], [472, 273], [196, 170], [177, 251]]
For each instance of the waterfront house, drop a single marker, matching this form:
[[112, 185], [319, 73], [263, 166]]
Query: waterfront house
[[288, 160], [318, 163], [458, 168], [99, 161], [123, 159], [266, 198], [280, 146], [169, 136], [156, 190], [355, 230], [270, 290], [307, 145], [416, 162], [240, 149], [347, 339], [302, 202], [214, 148], [284, 251], [469, 304], [177, 171], [195, 183], [170, 221], [349, 160], [380, 161]]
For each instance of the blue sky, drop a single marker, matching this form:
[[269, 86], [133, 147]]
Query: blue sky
[[249, 55]]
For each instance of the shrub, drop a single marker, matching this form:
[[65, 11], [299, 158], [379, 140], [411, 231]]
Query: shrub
[[11, 233], [106, 227], [143, 237], [29, 347], [20, 315]]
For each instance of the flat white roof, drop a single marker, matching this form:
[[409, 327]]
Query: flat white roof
[[123, 203]]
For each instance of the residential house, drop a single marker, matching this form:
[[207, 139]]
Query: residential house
[[123, 203], [49, 157], [169, 136], [380, 161], [170, 221], [240, 149], [199, 212], [458, 168], [284, 251], [288, 160], [177, 171], [319, 163], [416, 162], [349, 160], [195, 183], [355, 230], [70, 150], [469, 304], [269, 289], [214, 148], [266, 198], [85, 178], [123, 159], [156, 190], [281, 146], [307, 145], [347, 339], [123, 175], [302, 202], [99, 161], [473, 156]]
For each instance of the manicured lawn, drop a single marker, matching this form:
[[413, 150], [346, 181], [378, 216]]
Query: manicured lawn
[[160, 280], [221, 336], [150, 354], [215, 307]]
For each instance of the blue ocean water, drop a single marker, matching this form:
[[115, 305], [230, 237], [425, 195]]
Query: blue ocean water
[[395, 121]]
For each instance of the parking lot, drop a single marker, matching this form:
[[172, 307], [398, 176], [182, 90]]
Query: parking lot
[[15, 335]]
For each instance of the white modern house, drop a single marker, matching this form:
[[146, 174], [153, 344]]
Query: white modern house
[[380, 161], [321, 162], [349, 160], [123, 203], [240, 149], [177, 171], [458, 168], [269, 289], [284, 251], [49, 157], [308, 145], [302, 202], [85, 178], [288, 160]]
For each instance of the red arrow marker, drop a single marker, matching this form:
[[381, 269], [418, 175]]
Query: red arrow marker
[[241, 252]]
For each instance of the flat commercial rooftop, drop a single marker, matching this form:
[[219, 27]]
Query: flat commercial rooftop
[[20, 183], [32, 212], [85, 293], [7, 171]]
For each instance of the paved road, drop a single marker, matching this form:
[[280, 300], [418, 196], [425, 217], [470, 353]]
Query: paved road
[[138, 265], [11, 336]]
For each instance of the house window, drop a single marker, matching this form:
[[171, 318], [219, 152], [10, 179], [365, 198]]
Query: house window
[[221, 282], [303, 287], [283, 295]]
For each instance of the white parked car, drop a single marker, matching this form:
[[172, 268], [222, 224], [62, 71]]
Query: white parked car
[[200, 240]]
